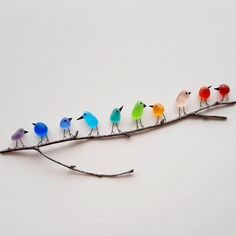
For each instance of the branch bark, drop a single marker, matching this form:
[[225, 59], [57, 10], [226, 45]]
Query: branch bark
[[195, 114]]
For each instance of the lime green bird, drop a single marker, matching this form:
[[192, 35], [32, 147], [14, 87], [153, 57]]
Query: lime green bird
[[137, 113]]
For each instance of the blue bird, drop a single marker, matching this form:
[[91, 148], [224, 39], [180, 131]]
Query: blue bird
[[65, 124], [41, 130], [91, 121], [115, 119]]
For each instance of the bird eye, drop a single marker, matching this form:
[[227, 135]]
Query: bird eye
[[186, 93]]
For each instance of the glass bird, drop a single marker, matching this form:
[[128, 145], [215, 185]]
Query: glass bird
[[115, 119], [65, 124], [204, 94], [137, 113], [41, 130], [224, 92], [182, 100], [18, 135], [158, 111], [91, 121]]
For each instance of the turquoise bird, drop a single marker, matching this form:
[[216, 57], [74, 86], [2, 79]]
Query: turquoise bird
[[115, 119], [91, 121], [137, 113]]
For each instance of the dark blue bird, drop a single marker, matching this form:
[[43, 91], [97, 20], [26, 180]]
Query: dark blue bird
[[41, 130]]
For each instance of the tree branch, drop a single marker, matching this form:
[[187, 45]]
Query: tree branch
[[73, 168], [194, 114]]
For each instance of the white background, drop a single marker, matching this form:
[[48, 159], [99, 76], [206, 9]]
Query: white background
[[60, 58]]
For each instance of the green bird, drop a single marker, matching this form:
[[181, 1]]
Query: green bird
[[137, 113]]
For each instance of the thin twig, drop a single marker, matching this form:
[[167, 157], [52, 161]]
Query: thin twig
[[206, 117], [127, 134], [73, 167]]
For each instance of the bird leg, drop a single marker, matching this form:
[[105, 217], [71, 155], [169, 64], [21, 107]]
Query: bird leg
[[200, 103], [227, 98], [137, 127], [164, 116], [157, 121], [97, 131], [90, 132], [70, 134], [47, 140], [179, 112], [41, 141], [64, 134], [222, 100], [118, 128], [22, 143], [16, 146], [184, 111], [206, 103], [141, 123], [112, 131]]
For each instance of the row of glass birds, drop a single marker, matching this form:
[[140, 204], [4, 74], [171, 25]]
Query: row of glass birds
[[41, 129]]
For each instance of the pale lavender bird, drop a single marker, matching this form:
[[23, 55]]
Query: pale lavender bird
[[18, 135]]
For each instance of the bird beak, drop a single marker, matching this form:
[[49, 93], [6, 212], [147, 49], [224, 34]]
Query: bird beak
[[209, 86], [33, 124], [82, 117], [26, 132], [144, 105], [121, 108], [150, 105], [216, 88], [189, 93], [70, 119]]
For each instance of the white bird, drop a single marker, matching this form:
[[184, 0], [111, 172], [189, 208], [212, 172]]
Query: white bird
[[18, 135], [182, 100]]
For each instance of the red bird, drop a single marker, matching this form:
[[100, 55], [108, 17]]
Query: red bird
[[224, 91], [204, 94]]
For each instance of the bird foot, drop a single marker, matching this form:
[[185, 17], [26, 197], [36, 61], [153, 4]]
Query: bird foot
[[162, 121]]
